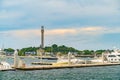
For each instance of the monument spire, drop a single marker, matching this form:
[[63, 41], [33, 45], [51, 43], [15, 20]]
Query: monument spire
[[42, 37]]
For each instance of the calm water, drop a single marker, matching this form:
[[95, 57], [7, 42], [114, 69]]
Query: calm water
[[88, 73]]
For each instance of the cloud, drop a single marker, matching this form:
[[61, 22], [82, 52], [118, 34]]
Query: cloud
[[10, 15], [90, 31], [76, 37], [31, 13], [23, 33], [54, 32], [60, 31], [49, 8], [12, 3], [67, 20]]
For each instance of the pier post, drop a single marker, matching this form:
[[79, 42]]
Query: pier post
[[103, 58], [17, 61], [69, 58], [15, 58]]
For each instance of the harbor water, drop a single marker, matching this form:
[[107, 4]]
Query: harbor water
[[86, 73]]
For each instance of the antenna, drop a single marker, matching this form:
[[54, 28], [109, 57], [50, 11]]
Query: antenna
[[2, 46]]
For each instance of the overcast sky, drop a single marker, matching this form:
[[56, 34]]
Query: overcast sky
[[82, 24]]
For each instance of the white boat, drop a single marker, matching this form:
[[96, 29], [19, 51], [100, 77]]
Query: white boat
[[66, 60], [4, 66], [97, 60], [70, 59], [113, 56]]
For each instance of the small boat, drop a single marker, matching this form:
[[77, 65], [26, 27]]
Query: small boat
[[4, 66]]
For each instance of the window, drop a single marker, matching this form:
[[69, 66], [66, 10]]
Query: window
[[111, 56], [118, 55]]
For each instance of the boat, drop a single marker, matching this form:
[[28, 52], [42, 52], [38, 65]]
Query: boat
[[114, 56], [70, 59], [97, 60], [4, 66], [109, 57]]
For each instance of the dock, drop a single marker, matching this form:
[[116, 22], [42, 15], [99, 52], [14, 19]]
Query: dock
[[47, 67], [41, 63], [48, 58], [8, 69]]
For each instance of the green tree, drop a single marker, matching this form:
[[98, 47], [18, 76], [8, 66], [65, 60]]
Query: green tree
[[54, 48], [87, 52], [47, 49], [9, 50], [99, 51]]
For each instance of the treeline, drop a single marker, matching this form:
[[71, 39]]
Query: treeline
[[62, 49], [55, 49]]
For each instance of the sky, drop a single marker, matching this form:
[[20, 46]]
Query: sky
[[82, 24]]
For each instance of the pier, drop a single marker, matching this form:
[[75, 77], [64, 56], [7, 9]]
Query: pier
[[20, 65], [65, 66]]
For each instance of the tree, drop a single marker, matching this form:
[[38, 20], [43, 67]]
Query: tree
[[99, 51], [28, 49], [9, 50], [54, 48], [48, 49], [87, 52]]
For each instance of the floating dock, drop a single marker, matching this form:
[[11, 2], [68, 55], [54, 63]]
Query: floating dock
[[7, 69], [48, 58], [42, 63], [65, 66]]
